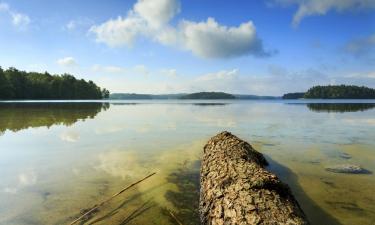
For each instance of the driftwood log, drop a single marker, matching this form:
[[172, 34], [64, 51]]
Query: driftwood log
[[236, 189]]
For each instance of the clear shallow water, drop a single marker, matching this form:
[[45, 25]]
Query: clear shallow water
[[58, 159]]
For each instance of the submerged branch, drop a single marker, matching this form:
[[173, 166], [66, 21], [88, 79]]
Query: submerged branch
[[93, 209]]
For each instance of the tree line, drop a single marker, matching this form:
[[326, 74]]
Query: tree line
[[340, 92], [208, 95], [16, 85], [335, 92]]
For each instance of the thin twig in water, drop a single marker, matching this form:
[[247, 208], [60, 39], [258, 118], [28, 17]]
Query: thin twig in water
[[174, 217], [102, 203]]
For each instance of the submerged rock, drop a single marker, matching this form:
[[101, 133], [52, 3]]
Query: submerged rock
[[237, 189], [347, 168]]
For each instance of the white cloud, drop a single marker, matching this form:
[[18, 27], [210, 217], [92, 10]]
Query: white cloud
[[67, 62], [167, 35], [221, 75], [211, 40], [157, 12], [369, 75], [71, 25], [224, 80], [321, 7], [169, 72], [19, 20], [108, 69], [70, 136], [206, 39], [120, 31], [146, 18], [77, 23], [236, 81], [141, 69], [25, 179]]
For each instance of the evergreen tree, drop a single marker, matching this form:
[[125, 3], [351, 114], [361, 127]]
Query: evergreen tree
[[15, 84]]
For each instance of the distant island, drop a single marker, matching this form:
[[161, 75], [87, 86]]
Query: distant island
[[21, 85], [294, 95], [134, 96], [208, 95], [334, 92], [197, 95]]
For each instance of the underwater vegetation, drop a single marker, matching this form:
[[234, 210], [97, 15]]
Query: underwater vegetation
[[186, 198]]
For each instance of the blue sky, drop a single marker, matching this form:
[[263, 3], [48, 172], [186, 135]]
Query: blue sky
[[173, 46]]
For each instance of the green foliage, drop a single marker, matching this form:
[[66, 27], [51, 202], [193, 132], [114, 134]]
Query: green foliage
[[209, 95], [295, 95], [15, 84], [6, 90], [340, 92], [105, 93]]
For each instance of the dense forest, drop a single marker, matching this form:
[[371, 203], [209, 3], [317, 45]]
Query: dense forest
[[17, 85], [335, 92], [208, 95], [340, 92]]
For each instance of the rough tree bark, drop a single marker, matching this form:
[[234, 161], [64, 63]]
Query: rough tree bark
[[236, 189]]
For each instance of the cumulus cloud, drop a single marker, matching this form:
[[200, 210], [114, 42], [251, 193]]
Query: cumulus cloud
[[206, 39], [157, 12], [146, 17], [321, 7], [19, 20], [120, 31], [209, 39], [67, 62]]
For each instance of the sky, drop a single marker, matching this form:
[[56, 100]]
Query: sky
[[267, 47]]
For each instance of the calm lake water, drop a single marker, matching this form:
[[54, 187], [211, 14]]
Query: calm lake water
[[59, 159]]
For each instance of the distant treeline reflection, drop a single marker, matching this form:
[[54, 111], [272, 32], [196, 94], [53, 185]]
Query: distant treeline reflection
[[340, 107], [19, 116]]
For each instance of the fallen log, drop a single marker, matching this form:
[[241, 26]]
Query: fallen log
[[237, 189]]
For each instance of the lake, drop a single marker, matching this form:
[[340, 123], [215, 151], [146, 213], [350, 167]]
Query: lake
[[58, 159]]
